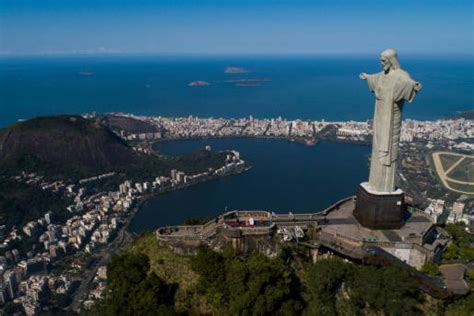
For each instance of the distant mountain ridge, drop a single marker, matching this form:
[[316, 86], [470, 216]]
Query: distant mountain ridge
[[62, 144], [129, 124], [70, 147]]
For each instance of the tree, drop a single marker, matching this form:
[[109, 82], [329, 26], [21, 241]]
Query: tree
[[13, 309], [337, 288], [390, 290], [133, 290], [325, 279], [260, 286], [452, 252], [463, 306], [255, 285], [211, 269], [430, 268], [460, 248]]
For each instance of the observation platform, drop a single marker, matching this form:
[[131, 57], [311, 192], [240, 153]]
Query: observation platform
[[415, 243]]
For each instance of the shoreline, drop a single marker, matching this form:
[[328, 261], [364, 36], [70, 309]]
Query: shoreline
[[147, 197], [300, 140], [125, 236]]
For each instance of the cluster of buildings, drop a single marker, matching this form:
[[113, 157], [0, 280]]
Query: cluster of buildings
[[195, 127], [178, 179], [442, 213], [93, 223], [419, 139], [458, 214], [354, 131], [7, 237], [30, 289], [99, 284], [417, 178], [449, 129], [96, 219], [24, 277]]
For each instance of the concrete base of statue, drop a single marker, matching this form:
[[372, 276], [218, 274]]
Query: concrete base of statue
[[379, 210]]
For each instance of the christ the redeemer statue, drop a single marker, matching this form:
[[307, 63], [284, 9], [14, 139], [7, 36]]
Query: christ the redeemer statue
[[392, 87], [379, 205]]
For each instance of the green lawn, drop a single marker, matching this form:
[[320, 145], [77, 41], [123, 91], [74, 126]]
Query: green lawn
[[462, 187], [470, 169], [448, 160], [464, 171]]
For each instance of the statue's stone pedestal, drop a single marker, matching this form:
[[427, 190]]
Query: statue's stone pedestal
[[379, 210]]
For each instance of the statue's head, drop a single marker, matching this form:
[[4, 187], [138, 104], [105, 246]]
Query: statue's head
[[389, 60]]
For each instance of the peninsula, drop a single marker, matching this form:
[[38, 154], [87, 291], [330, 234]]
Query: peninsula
[[69, 187], [105, 167]]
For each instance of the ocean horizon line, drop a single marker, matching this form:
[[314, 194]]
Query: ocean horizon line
[[337, 55]]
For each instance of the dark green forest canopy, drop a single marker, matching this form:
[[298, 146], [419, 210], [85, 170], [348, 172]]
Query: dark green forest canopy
[[133, 290], [461, 247], [70, 147], [21, 203], [230, 283], [261, 286], [255, 285]]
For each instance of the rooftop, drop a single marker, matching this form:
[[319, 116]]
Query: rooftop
[[453, 275], [342, 222]]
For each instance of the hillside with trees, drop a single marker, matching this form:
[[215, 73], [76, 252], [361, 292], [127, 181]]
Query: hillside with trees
[[229, 283]]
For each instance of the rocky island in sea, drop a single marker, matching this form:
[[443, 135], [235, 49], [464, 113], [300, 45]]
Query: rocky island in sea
[[235, 70], [199, 83]]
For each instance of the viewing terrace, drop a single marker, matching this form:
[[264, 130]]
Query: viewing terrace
[[253, 222]]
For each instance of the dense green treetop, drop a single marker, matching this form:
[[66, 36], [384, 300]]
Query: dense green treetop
[[460, 248], [21, 202], [228, 283], [255, 285], [132, 289]]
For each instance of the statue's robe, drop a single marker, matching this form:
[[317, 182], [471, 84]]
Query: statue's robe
[[391, 90]]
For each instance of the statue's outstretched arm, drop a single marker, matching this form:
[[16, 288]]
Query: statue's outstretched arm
[[418, 86]]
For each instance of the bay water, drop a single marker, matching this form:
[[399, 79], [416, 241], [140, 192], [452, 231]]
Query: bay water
[[285, 176]]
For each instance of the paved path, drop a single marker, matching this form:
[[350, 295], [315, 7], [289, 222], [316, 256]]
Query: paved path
[[454, 166], [123, 237], [443, 175]]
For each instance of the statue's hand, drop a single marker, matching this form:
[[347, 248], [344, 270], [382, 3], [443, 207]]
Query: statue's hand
[[418, 86], [363, 76]]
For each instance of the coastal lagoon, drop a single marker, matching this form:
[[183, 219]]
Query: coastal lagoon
[[285, 176]]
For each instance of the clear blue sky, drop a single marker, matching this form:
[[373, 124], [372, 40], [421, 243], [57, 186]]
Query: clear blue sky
[[435, 27]]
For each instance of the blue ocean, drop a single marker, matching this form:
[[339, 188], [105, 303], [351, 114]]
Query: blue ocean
[[285, 176], [294, 87]]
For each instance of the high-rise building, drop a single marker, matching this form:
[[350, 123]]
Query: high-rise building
[[180, 177], [173, 174], [10, 283]]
